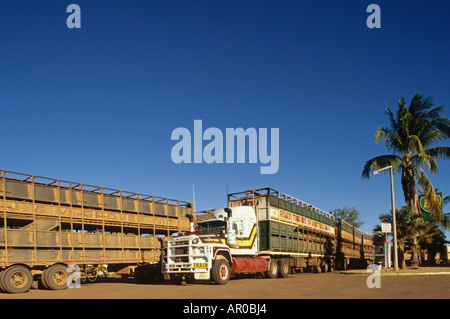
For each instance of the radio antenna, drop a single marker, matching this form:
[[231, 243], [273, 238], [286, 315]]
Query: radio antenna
[[193, 197], [227, 197]]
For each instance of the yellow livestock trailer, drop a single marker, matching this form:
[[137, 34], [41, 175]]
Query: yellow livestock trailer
[[48, 224]]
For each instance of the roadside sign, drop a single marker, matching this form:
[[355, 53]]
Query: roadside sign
[[425, 207], [386, 227]]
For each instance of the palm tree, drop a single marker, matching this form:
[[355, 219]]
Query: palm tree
[[431, 240], [406, 229], [410, 135], [410, 226], [446, 221]]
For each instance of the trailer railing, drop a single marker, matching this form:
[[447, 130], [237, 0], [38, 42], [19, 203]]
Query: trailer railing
[[250, 195]]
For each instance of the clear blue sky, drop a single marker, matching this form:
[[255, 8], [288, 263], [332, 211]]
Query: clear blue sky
[[98, 104]]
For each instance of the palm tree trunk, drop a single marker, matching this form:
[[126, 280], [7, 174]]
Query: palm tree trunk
[[409, 187], [401, 256], [415, 253]]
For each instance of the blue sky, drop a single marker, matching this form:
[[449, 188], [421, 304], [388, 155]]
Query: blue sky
[[98, 104]]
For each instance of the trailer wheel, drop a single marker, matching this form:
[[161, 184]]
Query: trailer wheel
[[1, 285], [317, 267], [272, 272], [16, 279], [43, 283], [283, 268], [220, 271], [56, 277]]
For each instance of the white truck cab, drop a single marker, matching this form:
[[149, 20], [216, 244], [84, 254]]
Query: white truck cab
[[209, 251]]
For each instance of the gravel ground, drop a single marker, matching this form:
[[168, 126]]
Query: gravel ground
[[331, 285]]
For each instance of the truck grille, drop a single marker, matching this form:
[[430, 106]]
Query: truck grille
[[181, 256]]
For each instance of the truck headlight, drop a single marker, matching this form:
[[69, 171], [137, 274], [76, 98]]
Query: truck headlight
[[195, 241]]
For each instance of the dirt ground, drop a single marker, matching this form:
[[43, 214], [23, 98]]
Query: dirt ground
[[332, 285]]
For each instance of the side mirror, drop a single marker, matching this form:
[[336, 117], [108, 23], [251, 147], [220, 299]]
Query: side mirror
[[228, 211]]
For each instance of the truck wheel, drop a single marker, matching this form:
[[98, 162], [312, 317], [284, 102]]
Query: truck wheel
[[43, 283], [220, 271], [16, 279], [138, 274], [272, 272], [316, 268], [56, 277], [1, 285], [283, 268]]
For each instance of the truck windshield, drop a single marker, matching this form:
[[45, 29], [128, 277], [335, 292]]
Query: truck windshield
[[212, 227]]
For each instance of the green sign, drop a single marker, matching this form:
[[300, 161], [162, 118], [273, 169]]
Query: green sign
[[426, 208]]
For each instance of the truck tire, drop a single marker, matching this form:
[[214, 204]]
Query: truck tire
[[316, 268], [16, 279], [1, 285], [43, 283], [56, 277], [272, 272], [220, 271], [324, 267], [139, 274], [283, 268]]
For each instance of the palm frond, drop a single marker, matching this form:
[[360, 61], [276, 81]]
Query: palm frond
[[380, 162], [430, 193], [434, 130], [447, 199], [414, 144], [426, 160], [391, 141], [442, 152]]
